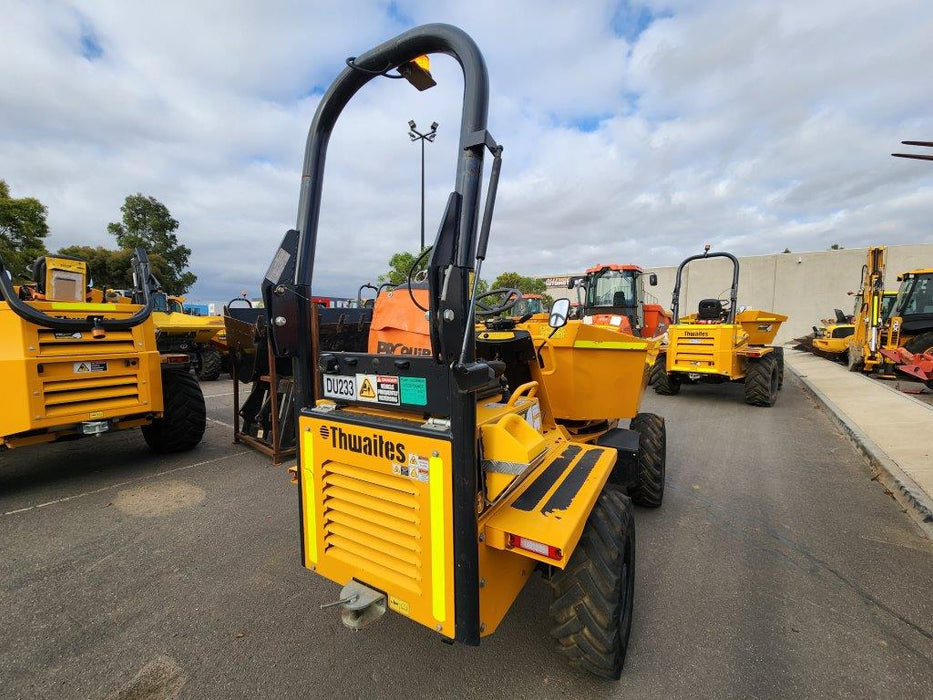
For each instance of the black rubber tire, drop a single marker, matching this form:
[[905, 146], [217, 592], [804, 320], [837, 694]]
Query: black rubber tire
[[209, 364], [920, 344], [184, 416], [761, 381], [648, 490], [664, 384], [591, 615], [779, 357]]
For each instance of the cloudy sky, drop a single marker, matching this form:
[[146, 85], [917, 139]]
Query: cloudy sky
[[633, 131]]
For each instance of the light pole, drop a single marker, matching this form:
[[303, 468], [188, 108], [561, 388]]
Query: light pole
[[416, 135]]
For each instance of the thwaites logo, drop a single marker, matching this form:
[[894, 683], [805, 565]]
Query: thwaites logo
[[696, 334], [382, 347], [369, 445]]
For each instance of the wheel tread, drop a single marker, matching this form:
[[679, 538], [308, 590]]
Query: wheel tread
[[589, 598]]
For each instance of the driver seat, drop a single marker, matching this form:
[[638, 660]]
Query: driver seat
[[710, 310], [618, 299]]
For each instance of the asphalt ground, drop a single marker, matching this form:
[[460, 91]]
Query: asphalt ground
[[775, 568]]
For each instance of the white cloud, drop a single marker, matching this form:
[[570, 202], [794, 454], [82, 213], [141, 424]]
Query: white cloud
[[634, 132]]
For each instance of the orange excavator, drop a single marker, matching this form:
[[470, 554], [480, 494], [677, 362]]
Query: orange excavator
[[614, 295]]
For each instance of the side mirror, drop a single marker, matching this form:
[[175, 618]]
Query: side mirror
[[560, 312], [653, 279], [571, 283]]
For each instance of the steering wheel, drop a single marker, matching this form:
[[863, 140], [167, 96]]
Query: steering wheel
[[243, 299], [505, 298]]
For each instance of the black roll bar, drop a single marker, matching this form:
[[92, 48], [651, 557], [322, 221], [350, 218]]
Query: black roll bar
[[449, 268], [427, 39], [30, 314], [734, 291]]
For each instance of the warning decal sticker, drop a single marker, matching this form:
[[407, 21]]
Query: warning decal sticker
[[377, 388], [87, 367], [365, 390], [387, 389]]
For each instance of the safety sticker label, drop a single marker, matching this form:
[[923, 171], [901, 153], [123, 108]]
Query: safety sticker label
[[86, 367], [416, 468], [65, 334], [387, 389], [366, 390], [399, 605], [414, 391]]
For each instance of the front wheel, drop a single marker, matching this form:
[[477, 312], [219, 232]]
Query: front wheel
[[591, 614], [761, 381], [779, 358], [184, 415], [209, 365], [648, 490], [664, 384]]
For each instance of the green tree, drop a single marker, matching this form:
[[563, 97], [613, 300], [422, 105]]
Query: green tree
[[526, 285], [148, 224], [401, 263], [23, 229], [836, 246], [786, 250], [113, 268]]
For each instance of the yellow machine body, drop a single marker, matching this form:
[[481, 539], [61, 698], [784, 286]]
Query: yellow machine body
[[202, 329], [721, 348], [592, 372], [53, 381], [895, 333], [834, 338], [376, 507]]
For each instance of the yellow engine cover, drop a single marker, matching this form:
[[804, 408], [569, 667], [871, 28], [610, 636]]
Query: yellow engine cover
[[376, 507], [55, 379]]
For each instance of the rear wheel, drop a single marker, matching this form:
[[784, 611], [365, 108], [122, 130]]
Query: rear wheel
[[761, 381], [592, 610], [209, 365], [184, 416], [648, 490], [779, 358], [664, 384]]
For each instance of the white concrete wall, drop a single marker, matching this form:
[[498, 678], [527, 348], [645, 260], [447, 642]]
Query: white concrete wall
[[805, 286]]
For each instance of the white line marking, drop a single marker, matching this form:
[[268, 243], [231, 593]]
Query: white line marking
[[122, 483], [213, 396], [219, 422]]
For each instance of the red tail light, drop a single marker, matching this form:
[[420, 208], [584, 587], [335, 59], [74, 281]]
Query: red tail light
[[539, 548]]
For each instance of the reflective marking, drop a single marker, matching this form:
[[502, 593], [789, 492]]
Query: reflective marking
[[610, 345], [438, 534], [309, 496], [61, 306]]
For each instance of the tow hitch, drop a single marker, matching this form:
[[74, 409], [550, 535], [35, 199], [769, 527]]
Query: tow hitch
[[360, 605]]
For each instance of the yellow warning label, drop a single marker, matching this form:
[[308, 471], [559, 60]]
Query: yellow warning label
[[399, 606], [366, 390]]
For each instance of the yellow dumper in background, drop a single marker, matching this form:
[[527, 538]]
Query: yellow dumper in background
[[720, 344]]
